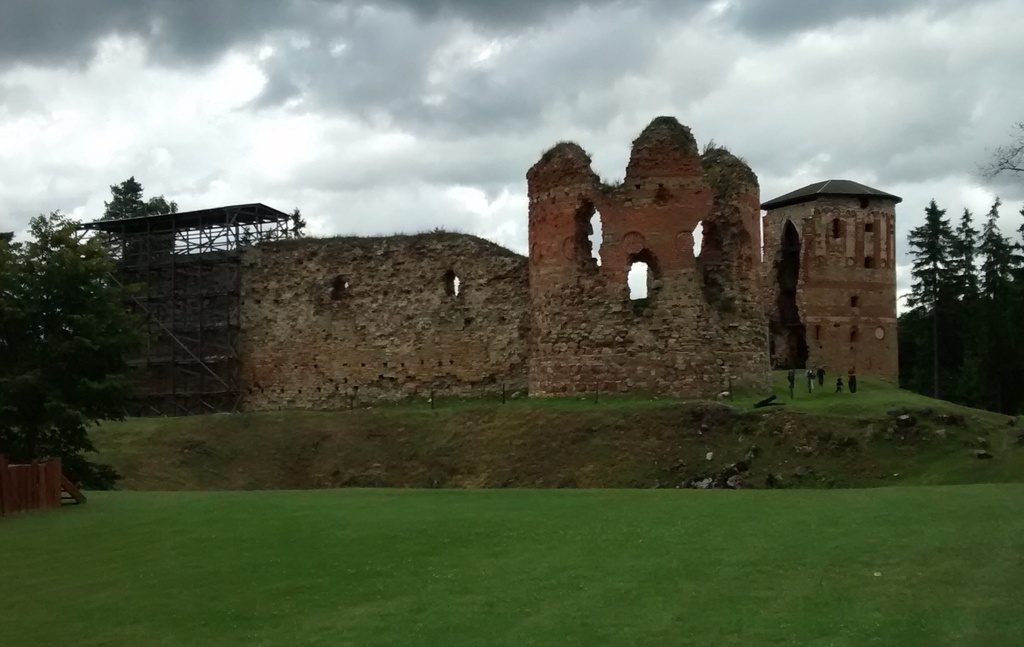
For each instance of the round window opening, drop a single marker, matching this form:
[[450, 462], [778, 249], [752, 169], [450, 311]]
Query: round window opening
[[879, 332]]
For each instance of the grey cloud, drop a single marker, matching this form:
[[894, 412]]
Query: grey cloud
[[377, 76], [62, 33], [189, 32], [771, 18]]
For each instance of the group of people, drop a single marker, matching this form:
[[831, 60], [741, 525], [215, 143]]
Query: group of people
[[851, 376]]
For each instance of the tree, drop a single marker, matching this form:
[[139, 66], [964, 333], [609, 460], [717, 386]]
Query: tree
[[64, 335], [298, 223], [931, 249], [126, 202], [999, 349], [963, 262], [1009, 158]]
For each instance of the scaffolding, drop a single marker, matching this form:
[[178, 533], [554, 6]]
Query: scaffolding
[[183, 271]]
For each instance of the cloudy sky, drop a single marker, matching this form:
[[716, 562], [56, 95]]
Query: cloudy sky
[[383, 116]]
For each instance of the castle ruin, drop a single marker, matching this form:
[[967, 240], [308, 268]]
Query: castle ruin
[[324, 323]]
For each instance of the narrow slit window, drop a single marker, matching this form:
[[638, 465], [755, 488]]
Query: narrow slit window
[[837, 228], [451, 283], [854, 302]]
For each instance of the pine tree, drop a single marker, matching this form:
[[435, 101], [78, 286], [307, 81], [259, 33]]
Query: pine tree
[[931, 250], [997, 348], [126, 202], [964, 257], [959, 352]]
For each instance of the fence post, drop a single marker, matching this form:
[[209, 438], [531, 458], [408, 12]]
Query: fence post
[[5, 485], [32, 485]]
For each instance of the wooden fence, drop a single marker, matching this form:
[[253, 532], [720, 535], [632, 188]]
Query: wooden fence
[[33, 486]]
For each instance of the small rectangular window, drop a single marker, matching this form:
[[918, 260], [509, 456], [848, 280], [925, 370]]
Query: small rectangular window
[[854, 302], [869, 227], [869, 262]]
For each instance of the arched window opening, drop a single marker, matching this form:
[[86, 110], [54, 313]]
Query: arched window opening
[[451, 283], [795, 352], [588, 234], [642, 279], [698, 238], [339, 287], [837, 228], [869, 262], [854, 336]]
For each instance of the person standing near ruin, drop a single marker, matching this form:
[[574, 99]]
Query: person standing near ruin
[[852, 380], [810, 380], [839, 384], [821, 376], [791, 376]]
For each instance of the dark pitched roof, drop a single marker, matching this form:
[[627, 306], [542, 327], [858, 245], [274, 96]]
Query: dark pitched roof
[[842, 188], [202, 218]]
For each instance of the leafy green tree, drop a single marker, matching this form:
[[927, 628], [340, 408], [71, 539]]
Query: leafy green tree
[[64, 336], [126, 202], [931, 247]]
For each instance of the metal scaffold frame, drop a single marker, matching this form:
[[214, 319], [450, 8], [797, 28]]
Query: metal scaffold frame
[[184, 271]]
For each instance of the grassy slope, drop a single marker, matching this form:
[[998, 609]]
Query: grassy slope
[[846, 439], [897, 566]]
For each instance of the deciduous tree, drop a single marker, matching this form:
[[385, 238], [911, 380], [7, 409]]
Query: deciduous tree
[[64, 335]]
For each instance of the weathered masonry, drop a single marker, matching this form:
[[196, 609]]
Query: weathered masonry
[[830, 270], [329, 321], [240, 314], [700, 327]]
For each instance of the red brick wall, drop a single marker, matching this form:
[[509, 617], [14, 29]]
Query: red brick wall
[[832, 271], [703, 323]]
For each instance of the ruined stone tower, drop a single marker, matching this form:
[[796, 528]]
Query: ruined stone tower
[[700, 326], [830, 261]]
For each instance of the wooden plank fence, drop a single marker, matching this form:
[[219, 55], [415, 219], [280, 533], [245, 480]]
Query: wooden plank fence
[[34, 486]]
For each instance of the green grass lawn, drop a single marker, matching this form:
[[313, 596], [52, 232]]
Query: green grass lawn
[[846, 440], [873, 397], [921, 566]]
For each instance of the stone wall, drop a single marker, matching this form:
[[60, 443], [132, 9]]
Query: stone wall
[[846, 291], [701, 327], [324, 321]]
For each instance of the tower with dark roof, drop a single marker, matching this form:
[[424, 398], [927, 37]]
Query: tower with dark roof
[[830, 279]]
